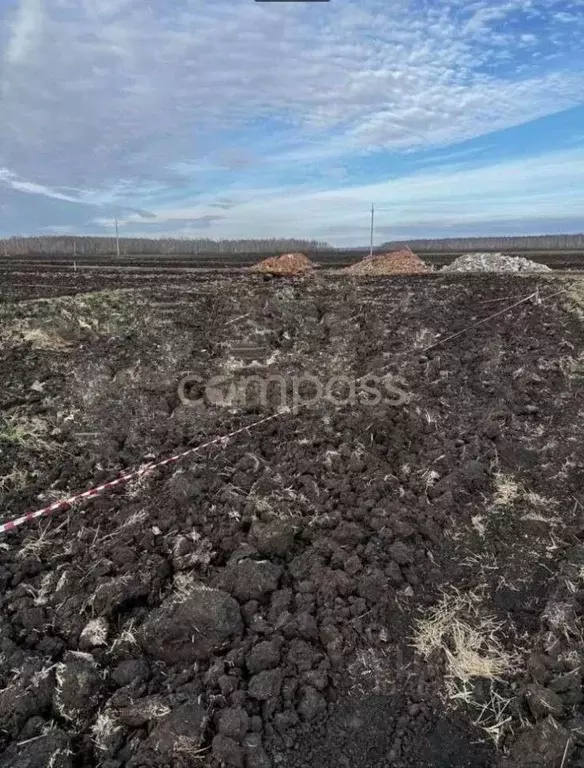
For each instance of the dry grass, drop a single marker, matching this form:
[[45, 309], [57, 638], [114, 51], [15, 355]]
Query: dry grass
[[469, 643], [43, 731], [137, 518], [104, 729], [47, 339], [467, 639], [44, 593], [186, 586], [537, 500], [575, 298], [29, 432], [424, 337], [493, 715], [261, 504], [283, 504], [56, 324], [68, 713], [571, 367], [154, 710], [15, 480], [139, 484], [95, 632], [126, 639], [59, 757], [478, 524], [36, 543], [190, 748], [507, 490]]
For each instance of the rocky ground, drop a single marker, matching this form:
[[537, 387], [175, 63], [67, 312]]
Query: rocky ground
[[365, 582]]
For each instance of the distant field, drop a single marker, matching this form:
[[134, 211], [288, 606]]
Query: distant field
[[567, 259]]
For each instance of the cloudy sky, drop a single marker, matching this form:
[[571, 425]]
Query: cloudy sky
[[236, 118]]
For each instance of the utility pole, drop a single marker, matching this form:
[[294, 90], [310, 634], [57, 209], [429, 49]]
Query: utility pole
[[371, 238], [117, 239], [5, 249]]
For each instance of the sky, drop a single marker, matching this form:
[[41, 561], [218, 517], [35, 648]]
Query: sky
[[244, 119]]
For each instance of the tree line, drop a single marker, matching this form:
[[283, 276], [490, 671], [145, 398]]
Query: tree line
[[144, 246], [104, 246], [470, 244]]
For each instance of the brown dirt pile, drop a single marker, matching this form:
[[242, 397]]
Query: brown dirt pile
[[397, 263], [286, 264]]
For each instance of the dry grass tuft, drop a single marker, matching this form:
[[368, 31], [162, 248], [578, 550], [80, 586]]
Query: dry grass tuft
[[59, 757], [537, 500], [507, 490], [35, 544], [126, 639], [25, 431], [95, 632], [575, 298], [40, 338], [493, 715], [424, 337], [103, 730], [186, 586], [57, 324], [156, 710], [15, 480], [469, 643], [139, 484], [190, 748], [467, 639]]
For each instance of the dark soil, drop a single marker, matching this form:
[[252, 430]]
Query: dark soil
[[256, 605], [567, 259]]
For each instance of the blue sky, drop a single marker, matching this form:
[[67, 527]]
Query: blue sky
[[231, 118]]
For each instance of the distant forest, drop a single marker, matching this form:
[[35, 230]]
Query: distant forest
[[135, 246], [474, 244], [103, 246]]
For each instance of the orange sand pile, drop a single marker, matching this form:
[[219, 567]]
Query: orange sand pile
[[286, 264], [397, 263]]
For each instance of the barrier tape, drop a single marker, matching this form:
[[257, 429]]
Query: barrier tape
[[148, 469], [138, 473]]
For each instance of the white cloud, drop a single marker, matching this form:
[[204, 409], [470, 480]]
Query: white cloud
[[527, 190], [14, 182], [26, 31], [117, 100], [566, 18]]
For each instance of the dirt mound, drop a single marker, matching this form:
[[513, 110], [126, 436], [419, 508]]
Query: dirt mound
[[494, 262], [287, 264], [397, 263]]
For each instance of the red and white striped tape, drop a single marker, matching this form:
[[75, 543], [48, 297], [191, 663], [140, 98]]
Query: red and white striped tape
[[143, 471]]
